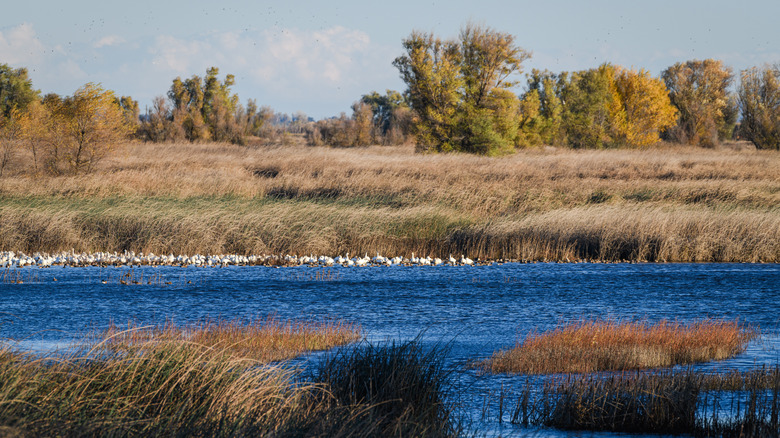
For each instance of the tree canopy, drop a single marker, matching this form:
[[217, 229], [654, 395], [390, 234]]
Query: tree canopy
[[699, 91], [759, 103], [459, 89], [16, 90]]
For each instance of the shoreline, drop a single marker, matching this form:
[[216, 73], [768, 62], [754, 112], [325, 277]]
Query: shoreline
[[17, 260]]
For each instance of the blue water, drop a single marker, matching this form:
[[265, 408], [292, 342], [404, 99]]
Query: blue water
[[474, 310]]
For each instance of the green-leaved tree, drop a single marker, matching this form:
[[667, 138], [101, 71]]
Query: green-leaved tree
[[460, 90]]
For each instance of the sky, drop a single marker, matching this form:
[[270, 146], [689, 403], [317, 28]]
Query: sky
[[318, 57]]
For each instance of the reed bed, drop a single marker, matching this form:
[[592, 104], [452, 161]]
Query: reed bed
[[694, 403], [174, 386], [263, 340], [667, 203], [596, 345]]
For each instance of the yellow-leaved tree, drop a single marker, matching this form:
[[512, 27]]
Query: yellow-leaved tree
[[647, 109], [36, 132], [93, 124]]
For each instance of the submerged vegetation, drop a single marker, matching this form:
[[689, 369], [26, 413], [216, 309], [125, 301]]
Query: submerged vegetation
[[206, 380], [594, 345], [682, 402]]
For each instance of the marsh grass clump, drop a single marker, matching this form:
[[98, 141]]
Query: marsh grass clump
[[264, 340], [733, 404], [596, 345], [163, 383], [405, 388]]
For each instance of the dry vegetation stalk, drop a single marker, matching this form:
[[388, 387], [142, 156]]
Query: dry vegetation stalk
[[595, 345], [667, 203]]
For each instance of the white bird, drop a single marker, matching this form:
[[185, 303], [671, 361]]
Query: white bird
[[465, 260]]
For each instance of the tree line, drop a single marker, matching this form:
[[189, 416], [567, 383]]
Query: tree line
[[460, 91], [461, 96]]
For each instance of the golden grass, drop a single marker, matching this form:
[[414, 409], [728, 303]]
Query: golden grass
[[667, 203], [263, 340], [589, 346]]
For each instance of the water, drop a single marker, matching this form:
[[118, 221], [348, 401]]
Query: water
[[475, 310]]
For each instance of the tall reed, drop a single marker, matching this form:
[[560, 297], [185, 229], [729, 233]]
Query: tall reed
[[405, 386]]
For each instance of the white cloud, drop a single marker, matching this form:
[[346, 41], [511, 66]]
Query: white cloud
[[20, 45], [107, 41], [290, 56], [178, 55], [327, 56], [326, 67]]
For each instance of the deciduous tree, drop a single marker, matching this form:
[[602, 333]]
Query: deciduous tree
[[431, 70], [460, 90], [759, 103], [16, 90], [541, 110], [646, 108], [699, 91], [93, 124], [592, 105], [10, 134]]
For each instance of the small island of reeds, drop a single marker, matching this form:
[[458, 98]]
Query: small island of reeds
[[609, 345]]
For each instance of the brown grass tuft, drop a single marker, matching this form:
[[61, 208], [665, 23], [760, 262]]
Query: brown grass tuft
[[589, 346]]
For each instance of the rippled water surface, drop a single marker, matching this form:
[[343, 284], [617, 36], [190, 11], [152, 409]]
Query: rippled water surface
[[476, 310]]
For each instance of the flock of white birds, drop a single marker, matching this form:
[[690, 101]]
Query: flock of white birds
[[10, 259]]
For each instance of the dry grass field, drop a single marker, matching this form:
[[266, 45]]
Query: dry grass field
[[666, 203]]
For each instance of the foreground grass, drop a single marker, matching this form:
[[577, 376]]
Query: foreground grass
[[663, 204], [154, 383], [589, 346]]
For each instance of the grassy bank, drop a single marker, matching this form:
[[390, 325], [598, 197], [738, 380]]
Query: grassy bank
[[663, 204], [589, 346], [175, 381]]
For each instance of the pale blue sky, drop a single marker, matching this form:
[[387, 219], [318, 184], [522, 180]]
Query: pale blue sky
[[319, 57]]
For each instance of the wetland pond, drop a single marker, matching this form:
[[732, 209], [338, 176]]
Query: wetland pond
[[474, 311]]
